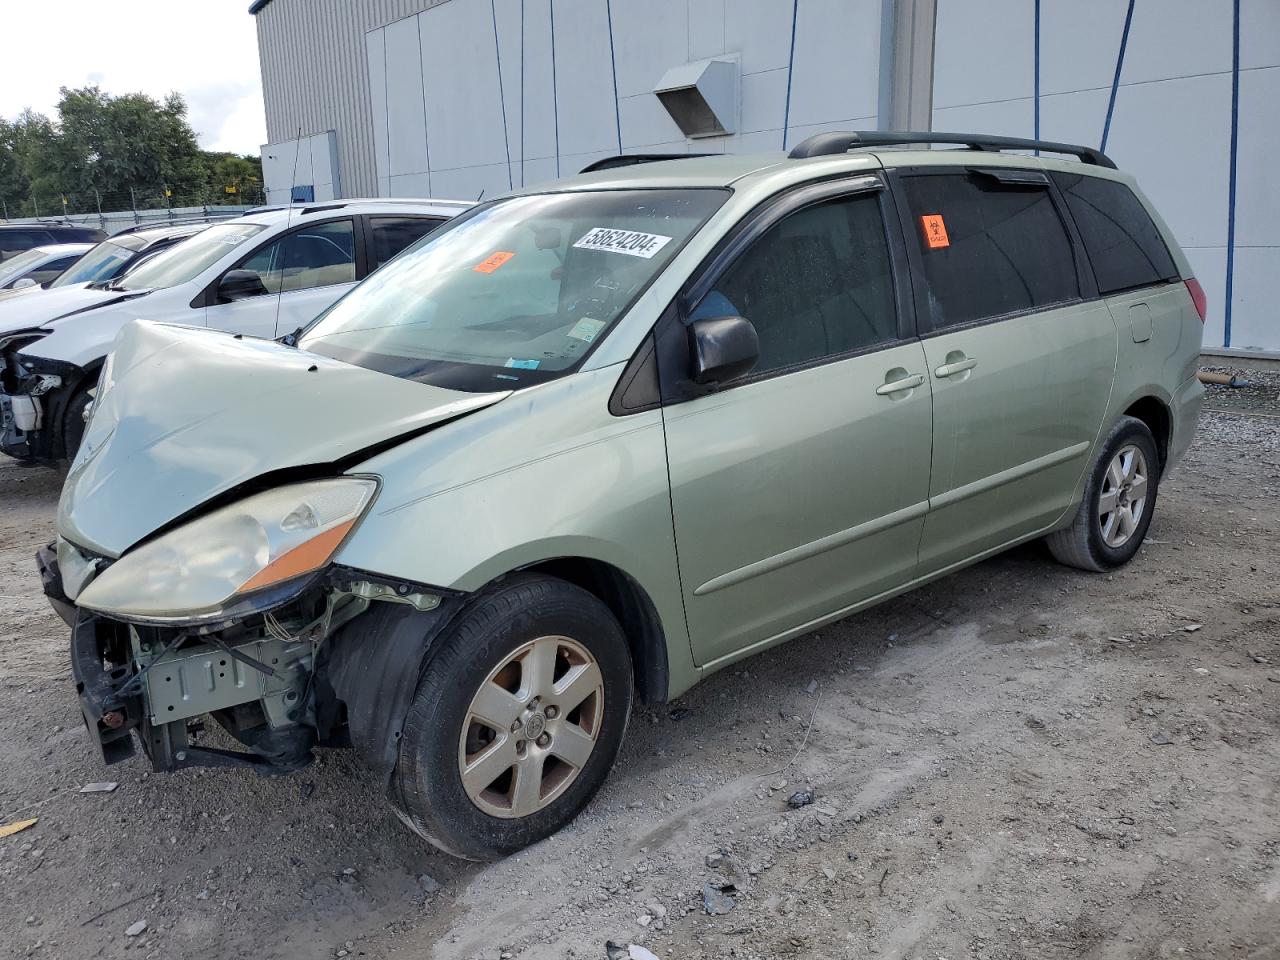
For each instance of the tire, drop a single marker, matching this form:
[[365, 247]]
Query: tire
[[73, 420], [494, 650], [1101, 540]]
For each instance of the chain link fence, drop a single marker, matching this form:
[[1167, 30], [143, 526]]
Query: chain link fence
[[122, 207]]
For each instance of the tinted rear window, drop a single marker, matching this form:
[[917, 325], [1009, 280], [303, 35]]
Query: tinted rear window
[[988, 248], [1122, 242], [390, 235]]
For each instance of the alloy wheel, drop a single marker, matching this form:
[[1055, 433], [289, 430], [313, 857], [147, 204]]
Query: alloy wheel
[[531, 727], [1123, 496]]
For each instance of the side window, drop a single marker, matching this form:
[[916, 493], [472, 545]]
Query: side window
[[988, 248], [314, 256], [816, 284], [16, 241], [52, 269], [390, 235], [1123, 244]]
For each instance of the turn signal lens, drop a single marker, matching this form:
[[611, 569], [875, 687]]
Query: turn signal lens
[[304, 558]]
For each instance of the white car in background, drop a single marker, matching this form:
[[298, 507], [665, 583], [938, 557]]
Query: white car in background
[[265, 274], [118, 254], [40, 264]]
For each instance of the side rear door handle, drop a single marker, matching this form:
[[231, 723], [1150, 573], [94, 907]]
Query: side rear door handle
[[897, 386], [956, 366]]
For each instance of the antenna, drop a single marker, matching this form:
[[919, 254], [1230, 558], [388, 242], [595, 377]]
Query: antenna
[[288, 223]]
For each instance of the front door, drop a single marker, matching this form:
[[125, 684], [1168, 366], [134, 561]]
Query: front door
[[1021, 364], [301, 274], [801, 489]]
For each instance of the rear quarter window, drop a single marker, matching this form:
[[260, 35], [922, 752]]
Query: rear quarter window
[[1123, 244], [988, 248], [390, 235]]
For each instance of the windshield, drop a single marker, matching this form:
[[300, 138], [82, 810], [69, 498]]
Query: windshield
[[16, 266], [101, 263], [516, 293], [187, 260]]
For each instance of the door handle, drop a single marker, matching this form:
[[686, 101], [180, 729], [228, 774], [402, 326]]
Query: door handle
[[956, 366], [897, 386]]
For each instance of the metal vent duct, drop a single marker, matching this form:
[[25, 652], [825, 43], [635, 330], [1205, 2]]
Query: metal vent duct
[[701, 97]]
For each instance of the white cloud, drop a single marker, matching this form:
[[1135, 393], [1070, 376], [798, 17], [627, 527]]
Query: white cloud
[[207, 51]]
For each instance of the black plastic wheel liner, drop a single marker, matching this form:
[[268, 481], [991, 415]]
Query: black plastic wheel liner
[[372, 667]]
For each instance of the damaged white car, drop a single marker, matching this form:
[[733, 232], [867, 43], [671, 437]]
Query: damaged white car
[[261, 275]]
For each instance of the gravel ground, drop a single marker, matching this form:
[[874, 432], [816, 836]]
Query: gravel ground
[[1020, 761], [1262, 395]]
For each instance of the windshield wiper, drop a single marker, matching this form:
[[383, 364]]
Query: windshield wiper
[[291, 339]]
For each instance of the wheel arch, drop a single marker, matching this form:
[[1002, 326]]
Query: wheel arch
[[635, 611], [1156, 414]]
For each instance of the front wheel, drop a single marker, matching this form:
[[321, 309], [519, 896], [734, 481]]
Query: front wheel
[[75, 419], [1119, 498], [517, 720]]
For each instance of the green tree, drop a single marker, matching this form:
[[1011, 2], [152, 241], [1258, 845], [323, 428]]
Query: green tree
[[25, 143], [110, 144], [109, 150], [13, 181], [241, 173]]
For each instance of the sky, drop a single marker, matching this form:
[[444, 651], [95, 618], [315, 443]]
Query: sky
[[207, 50]]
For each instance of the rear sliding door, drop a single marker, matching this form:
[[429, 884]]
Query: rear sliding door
[[1020, 357]]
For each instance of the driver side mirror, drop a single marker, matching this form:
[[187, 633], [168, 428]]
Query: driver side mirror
[[23, 283], [240, 285], [724, 348]]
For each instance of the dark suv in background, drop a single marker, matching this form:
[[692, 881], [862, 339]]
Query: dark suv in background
[[17, 237]]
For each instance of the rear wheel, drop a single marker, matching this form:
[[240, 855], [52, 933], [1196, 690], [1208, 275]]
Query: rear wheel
[[1119, 499], [517, 720]]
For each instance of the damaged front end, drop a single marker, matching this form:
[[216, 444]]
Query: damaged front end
[[336, 665], [198, 556], [34, 392]]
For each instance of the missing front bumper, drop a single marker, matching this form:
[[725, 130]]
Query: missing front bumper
[[130, 679], [20, 417]]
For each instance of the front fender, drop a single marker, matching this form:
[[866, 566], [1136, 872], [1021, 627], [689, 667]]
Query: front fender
[[546, 475]]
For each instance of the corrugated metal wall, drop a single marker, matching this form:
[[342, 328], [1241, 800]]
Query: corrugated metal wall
[[379, 75], [314, 75], [541, 88]]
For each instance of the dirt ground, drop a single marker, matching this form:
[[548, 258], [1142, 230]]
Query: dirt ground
[[1021, 761]]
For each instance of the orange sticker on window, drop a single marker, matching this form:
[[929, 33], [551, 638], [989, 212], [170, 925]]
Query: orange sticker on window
[[493, 261], [935, 231]]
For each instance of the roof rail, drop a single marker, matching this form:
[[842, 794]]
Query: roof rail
[[631, 159], [409, 200], [159, 223], [831, 144]]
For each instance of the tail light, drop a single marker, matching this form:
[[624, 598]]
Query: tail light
[[1198, 297]]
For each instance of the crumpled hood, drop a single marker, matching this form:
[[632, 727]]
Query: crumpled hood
[[24, 312], [188, 414]]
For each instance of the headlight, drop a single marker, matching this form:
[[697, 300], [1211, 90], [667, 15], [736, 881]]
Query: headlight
[[201, 569]]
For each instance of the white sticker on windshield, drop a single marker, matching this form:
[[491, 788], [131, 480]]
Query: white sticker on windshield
[[586, 329], [631, 242]]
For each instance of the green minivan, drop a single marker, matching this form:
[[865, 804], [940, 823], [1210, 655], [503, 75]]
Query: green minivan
[[595, 440]]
